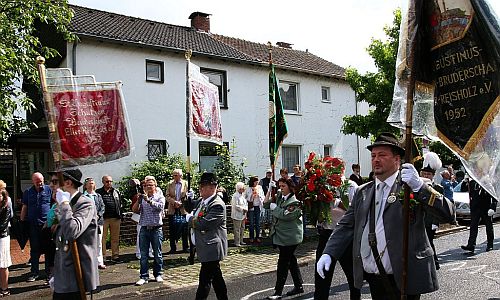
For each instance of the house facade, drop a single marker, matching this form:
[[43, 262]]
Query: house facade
[[149, 58]]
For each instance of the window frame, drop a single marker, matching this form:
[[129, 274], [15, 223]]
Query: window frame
[[161, 144], [161, 64], [223, 88], [298, 157], [297, 98], [207, 144], [329, 95], [329, 147]]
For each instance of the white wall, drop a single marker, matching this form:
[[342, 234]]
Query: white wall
[[157, 111]]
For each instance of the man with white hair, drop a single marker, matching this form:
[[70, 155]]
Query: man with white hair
[[177, 196]]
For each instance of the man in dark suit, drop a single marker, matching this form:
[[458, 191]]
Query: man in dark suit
[[377, 212], [482, 207], [210, 236]]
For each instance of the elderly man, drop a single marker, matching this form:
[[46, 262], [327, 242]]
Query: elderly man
[[77, 222], [373, 223], [36, 205], [210, 234], [150, 206], [112, 199], [177, 197]]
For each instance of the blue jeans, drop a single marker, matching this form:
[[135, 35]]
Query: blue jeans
[[254, 218], [153, 237], [36, 249]]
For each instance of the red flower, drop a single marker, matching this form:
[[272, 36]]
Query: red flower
[[311, 156], [318, 172], [200, 214], [336, 162], [411, 196], [311, 186], [336, 180]]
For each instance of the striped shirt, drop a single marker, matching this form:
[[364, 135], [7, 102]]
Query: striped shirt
[[152, 214]]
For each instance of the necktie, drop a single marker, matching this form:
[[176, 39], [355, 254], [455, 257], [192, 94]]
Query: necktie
[[379, 200], [379, 195]]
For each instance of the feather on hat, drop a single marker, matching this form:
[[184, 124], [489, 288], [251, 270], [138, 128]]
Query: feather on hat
[[432, 162]]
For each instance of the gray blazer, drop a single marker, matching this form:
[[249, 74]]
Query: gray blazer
[[210, 230], [78, 222], [421, 269]]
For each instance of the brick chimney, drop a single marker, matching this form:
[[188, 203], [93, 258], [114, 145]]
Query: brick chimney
[[200, 21]]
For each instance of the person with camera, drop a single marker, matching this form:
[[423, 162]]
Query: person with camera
[[150, 206]]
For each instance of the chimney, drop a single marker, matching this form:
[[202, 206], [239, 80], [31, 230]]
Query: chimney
[[284, 45], [200, 21]]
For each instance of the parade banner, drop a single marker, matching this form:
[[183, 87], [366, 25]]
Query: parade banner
[[278, 129], [204, 119], [458, 84], [87, 121]]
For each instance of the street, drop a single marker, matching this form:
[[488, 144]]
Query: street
[[461, 276]]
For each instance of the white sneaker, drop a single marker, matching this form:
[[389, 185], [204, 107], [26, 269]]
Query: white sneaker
[[141, 282], [159, 278]]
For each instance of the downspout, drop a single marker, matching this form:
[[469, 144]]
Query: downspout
[[73, 57]]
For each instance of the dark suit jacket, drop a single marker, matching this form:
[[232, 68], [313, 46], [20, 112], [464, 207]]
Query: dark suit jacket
[[356, 178], [421, 269]]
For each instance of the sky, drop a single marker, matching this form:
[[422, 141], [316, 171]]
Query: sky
[[338, 31]]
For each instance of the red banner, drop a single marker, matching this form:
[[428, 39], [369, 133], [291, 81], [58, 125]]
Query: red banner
[[91, 126]]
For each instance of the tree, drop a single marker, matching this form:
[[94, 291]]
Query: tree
[[375, 88], [19, 47], [227, 171]]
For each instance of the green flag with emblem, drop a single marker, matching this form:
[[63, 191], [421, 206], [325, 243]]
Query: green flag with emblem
[[278, 129]]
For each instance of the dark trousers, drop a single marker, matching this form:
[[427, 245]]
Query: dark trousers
[[287, 261], [378, 291], [211, 274], [322, 286], [177, 230], [430, 235], [66, 296], [476, 217], [36, 249]]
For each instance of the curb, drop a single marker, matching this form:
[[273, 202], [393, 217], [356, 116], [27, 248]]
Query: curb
[[444, 232]]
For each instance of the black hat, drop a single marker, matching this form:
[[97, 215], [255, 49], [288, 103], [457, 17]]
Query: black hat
[[428, 169], [209, 178], [74, 175], [387, 139]]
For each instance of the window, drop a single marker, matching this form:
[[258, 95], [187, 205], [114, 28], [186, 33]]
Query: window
[[156, 148], [325, 94], [208, 155], [288, 92], [327, 150], [290, 156], [218, 78], [154, 71]]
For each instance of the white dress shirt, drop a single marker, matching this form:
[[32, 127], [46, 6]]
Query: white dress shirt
[[369, 264]]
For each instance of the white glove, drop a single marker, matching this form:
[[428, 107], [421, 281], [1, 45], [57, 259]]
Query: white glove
[[51, 283], [189, 216], [434, 227], [272, 206], [491, 212], [324, 263], [190, 194], [272, 184], [409, 175], [62, 197]]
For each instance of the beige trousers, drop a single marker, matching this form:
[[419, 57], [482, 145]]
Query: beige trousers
[[114, 228], [239, 230]]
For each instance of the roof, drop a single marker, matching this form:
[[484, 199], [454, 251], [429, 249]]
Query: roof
[[97, 24]]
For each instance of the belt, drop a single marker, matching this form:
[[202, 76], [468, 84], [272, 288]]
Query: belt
[[152, 227]]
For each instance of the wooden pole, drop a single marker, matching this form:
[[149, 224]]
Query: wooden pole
[[413, 23], [56, 151]]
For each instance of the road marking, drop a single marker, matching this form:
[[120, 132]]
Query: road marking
[[247, 297]]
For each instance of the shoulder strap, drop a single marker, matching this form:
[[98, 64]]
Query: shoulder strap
[[372, 241], [75, 199]]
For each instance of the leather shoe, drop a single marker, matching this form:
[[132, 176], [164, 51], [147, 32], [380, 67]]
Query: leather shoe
[[489, 248], [295, 291], [468, 248]]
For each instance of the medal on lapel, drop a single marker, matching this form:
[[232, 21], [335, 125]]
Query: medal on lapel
[[391, 198]]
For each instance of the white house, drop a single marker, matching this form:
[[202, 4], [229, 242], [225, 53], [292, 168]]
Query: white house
[[148, 57]]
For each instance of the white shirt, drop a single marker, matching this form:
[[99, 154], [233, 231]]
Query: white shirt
[[369, 264], [239, 206]]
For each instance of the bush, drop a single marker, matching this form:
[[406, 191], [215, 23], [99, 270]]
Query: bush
[[227, 171], [161, 168]]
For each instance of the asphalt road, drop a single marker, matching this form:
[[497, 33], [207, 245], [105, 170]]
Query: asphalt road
[[471, 277]]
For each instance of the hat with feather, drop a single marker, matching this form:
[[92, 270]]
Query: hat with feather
[[432, 162]]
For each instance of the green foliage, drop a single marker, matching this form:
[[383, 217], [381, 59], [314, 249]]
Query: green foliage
[[228, 172], [19, 47], [375, 88], [161, 168]]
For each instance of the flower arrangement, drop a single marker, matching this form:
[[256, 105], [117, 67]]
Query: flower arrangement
[[320, 184]]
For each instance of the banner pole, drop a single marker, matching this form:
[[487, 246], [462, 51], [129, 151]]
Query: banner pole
[[414, 12], [56, 151]]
